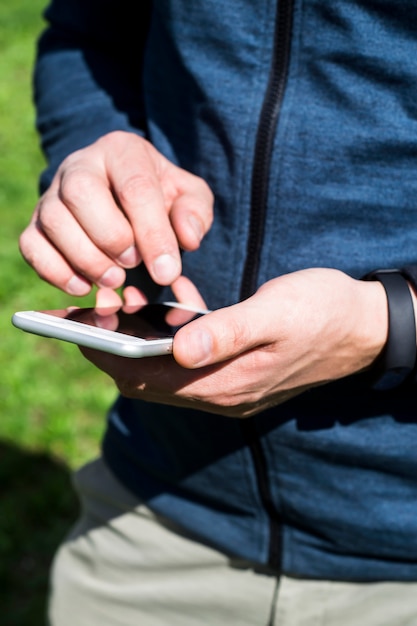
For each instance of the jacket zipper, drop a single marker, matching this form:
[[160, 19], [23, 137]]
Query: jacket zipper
[[259, 197]]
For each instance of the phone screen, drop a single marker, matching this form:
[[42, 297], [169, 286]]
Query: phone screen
[[150, 321]]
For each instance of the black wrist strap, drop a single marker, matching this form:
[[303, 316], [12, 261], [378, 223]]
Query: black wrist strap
[[398, 358]]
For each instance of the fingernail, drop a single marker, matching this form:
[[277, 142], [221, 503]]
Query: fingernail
[[199, 347], [114, 277], [129, 258], [196, 227], [166, 268], [78, 287]]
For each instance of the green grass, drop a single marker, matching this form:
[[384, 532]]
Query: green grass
[[52, 401]]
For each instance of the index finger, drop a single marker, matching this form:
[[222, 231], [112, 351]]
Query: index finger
[[137, 183]]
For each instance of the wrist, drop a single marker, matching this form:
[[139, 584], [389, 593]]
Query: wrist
[[374, 322]]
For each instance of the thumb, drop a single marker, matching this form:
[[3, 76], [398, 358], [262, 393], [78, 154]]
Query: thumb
[[218, 336]]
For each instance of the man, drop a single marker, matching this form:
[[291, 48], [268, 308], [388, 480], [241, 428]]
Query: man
[[259, 158]]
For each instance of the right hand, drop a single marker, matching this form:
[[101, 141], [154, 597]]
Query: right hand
[[111, 206]]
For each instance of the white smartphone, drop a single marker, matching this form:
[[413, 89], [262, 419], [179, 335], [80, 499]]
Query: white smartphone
[[137, 332]]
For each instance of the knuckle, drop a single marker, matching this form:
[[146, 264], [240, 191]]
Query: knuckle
[[115, 239], [112, 136], [26, 248], [115, 138], [235, 333], [202, 199], [32, 257], [76, 185], [47, 215], [207, 192], [135, 187], [208, 199]]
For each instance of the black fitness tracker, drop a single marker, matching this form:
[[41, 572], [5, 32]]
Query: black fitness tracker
[[397, 360]]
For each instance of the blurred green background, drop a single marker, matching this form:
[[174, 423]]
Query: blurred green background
[[52, 402]]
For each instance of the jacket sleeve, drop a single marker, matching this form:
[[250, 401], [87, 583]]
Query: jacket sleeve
[[87, 78]]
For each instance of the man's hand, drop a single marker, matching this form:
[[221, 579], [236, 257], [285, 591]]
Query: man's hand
[[296, 332], [111, 206]]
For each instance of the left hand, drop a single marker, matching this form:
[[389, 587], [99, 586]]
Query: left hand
[[297, 331]]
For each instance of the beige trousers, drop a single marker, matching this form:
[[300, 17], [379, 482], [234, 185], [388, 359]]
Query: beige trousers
[[122, 566]]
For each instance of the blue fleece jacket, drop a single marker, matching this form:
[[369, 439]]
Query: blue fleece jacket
[[302, 117]]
